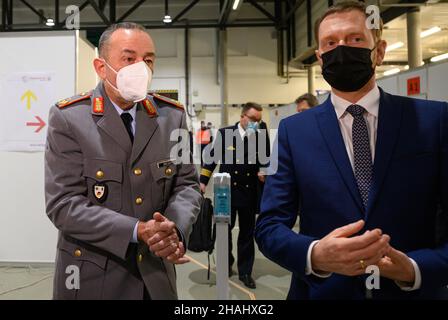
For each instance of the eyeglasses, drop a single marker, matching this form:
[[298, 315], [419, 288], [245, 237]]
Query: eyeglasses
[[252, 118]]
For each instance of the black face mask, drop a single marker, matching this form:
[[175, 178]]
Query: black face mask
[[347, 68]]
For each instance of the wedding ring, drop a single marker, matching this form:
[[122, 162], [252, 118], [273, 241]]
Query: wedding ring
[[361, 262]]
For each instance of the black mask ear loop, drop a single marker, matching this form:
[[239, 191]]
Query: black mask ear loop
[[374, 47]]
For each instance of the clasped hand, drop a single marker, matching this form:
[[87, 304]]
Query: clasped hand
[[160, 235], [341, 252]]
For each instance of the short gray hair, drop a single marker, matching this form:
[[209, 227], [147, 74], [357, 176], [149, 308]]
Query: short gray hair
[[105, 36]]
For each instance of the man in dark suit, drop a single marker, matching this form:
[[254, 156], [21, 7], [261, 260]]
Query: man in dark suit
[[368, 171], [238, 149]]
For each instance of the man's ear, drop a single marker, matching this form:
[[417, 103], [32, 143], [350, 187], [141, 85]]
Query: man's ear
[[318, 56], [380, 52], [100, 68]]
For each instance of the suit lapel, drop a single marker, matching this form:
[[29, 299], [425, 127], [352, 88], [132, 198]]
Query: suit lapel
[[389, 122], [111, 122], [329, 127], [146, 125]]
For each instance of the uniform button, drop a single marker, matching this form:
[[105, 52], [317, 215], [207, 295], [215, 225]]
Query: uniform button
[[140, 258], [168, 171], [137, 171], [138, 201], [78, 253], [248, 174], [236, 172], [99, 174], [247, 186]]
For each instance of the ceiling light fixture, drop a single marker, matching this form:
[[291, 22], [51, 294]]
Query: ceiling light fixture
[[392, 71], [394, 46], [440, 57], [167, 17], [235, 4], [49, 23], [430, 31]]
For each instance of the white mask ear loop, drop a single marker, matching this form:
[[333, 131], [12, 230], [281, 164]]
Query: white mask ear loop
[[107, 80]]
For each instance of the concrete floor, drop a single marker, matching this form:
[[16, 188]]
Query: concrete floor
[[35, 282]]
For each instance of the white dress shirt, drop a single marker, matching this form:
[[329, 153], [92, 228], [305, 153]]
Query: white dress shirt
[[133, 113], [241, 130], [370, 102]]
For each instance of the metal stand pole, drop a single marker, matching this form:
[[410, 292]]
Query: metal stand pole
[[221, 186], [222, 258]]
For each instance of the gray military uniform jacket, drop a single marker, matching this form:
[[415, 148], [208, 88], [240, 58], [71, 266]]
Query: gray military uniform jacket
[[88, 151]]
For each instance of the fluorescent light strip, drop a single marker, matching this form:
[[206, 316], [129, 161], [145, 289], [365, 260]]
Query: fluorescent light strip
[[440, 57], [235, 4], [430, 31], [394, 46], [391, 72], [406, 67]]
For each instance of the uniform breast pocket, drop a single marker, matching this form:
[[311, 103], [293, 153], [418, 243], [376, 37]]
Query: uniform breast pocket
[[163, 173], [104, 182]]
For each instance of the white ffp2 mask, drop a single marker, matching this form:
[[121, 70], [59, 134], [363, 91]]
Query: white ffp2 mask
[[133, 81]]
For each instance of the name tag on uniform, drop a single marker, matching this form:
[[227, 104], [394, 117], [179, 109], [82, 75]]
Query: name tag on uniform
[[164, 163]]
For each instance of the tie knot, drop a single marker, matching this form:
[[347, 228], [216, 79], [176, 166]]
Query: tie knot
[[126, 117], [356, 110]]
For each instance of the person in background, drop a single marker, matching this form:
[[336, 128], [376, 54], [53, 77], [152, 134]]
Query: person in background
[[306, 101], [210, 127], [203, 138], [245, 169]]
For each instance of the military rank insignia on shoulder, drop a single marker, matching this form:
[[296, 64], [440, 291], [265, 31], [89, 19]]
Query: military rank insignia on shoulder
[[169, 101], [69, 101], [148, 105]]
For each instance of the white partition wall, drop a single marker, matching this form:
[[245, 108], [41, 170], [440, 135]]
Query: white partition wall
[[279, 113], [86, 77], [437, 75], [389, 84], [431, 80], [26, 234]]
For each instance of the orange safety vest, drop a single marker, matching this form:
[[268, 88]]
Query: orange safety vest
[[203, 136]]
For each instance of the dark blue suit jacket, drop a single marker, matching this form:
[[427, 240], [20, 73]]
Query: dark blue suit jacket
[[408, 198]]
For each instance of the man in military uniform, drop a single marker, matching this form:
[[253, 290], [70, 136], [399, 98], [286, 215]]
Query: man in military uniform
[[238, 149], [123, 207]]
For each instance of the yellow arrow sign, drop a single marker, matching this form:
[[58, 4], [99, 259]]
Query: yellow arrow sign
[[28, 95]]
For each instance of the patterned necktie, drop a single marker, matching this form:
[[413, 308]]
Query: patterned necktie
[[362, 153], [127, 120]]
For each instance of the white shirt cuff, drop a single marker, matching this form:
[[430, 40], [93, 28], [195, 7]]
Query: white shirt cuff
[[309, 270], [418, 279], [134, 234]]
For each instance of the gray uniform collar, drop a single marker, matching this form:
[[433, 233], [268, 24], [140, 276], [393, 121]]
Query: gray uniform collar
[[100, 102]]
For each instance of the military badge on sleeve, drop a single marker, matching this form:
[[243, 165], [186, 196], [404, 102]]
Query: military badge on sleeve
[[100, 192]]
